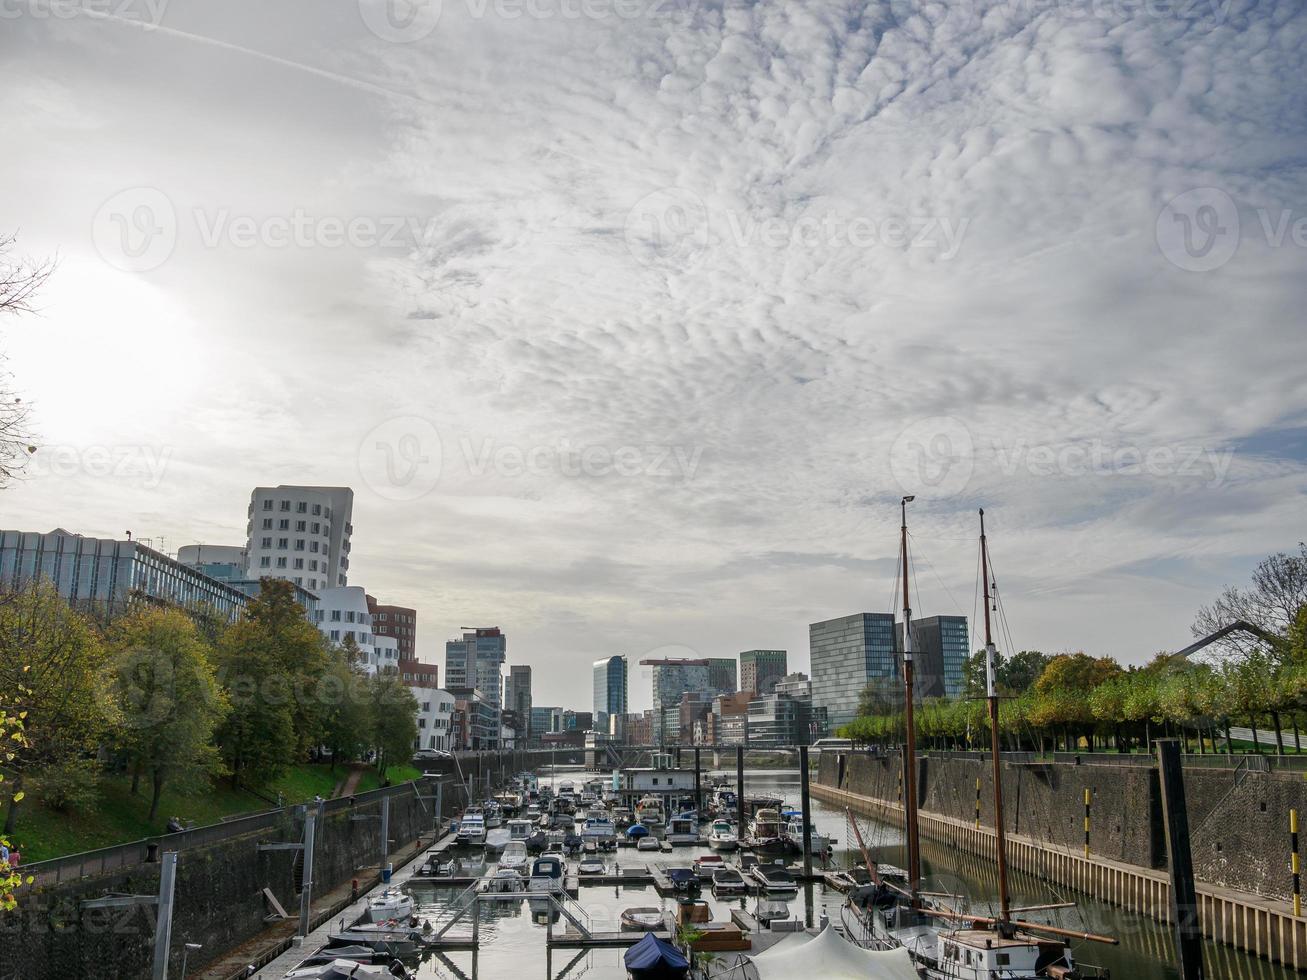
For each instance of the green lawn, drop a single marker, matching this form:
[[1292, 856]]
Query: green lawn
[[119, 816]]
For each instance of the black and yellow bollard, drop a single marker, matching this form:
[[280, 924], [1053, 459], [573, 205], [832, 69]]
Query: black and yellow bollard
[[1087, 798], [1295, 863], [977, 802]]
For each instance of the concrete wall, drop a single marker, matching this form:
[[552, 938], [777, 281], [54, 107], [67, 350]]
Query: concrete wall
[[1239, 822], [219, 890]]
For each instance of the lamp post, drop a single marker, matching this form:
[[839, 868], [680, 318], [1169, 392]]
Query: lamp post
[[186, 952]]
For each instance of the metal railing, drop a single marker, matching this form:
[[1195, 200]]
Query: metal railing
[[117, 857]]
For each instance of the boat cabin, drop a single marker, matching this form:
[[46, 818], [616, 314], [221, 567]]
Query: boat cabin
[[982, 954]]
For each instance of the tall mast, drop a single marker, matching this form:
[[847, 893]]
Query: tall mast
[[910, 746], [991, 690]]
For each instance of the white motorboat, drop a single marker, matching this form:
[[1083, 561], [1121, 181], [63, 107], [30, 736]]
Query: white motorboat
[[505, 881], [722, 836], [598, 827], [472, 829], [391, 904], [514, 857], [547, 874], [497, 839], [344, 969], [397, 941], [642, 919], [775, 879], [682, 830], [649, 811], [520, 828], [821, 843], [648, 844]]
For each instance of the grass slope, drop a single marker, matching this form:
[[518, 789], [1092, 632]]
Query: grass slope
[[119, 816]]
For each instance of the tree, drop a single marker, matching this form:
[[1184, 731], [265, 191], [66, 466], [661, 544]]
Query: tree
[[12, 738], [168, 698], [20, 278], [1278, 591], [52, 657], [347, 724], [1019, 672], [394, 719], [879, 697], [270, 664]]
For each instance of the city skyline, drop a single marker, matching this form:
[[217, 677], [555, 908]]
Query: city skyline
[[629, 334]]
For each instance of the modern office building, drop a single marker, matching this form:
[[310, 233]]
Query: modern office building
[[343, 617], [761, 669], [846, 655], [722, 675], [476, 660], [477, 719], [542, 719], [941, 645], [301, 534], [517, 698], [610, 677], [106, 576], [670, 679]]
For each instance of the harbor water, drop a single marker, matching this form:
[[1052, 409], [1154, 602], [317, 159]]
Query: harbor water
[[513, 939]]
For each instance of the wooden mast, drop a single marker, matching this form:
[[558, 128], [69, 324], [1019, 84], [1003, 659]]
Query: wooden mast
[[991, 690], [910, 739]]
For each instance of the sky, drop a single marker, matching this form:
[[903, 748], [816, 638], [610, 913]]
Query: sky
[[631, 321]]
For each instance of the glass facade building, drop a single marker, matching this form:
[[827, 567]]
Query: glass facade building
[[610, 677], [847, 654], [670, 679], [941, 644], [721, 675], [761, 669], [106, 576]]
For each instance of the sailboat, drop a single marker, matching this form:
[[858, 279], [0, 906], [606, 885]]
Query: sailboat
[[973, 947]]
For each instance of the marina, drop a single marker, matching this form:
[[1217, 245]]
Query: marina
[[468, 932]]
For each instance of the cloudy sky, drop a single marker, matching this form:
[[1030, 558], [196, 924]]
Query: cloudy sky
[[630, 321]]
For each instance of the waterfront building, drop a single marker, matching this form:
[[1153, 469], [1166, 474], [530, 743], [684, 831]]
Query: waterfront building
[[343, 616], [846, 655], [695, 708], [942, 645], [761, 669], [517, 699], [671, 678], [610, 677], [105, 576], [673, 787], [640, 727], [721, 675], [301, 534], [787, 716], [480, 718], [399, 622], [577, 721], [435, 718], [476, 660], [728, 724], [542, 719]]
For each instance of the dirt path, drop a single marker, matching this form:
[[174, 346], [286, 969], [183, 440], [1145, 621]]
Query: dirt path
[[351, 783]]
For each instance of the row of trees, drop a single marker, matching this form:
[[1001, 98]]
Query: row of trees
[[176, 700], [1074, 699]]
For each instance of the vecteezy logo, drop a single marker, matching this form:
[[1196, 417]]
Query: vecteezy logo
[[136, 229], [668, 228], [933, 456], [400, 459], [400, 21], [1198, 231]]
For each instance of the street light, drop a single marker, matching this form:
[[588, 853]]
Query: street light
[[186, 952]]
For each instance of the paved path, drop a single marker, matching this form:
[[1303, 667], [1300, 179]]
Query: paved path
[[351, 783]]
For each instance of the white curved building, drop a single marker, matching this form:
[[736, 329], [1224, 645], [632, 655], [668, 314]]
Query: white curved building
[[301, 534], [342, 614]]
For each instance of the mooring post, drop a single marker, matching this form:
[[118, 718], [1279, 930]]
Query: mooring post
[[739, 788], [440, 810], [1184, 899], [806, 806], [385, 833], [163, 921], [1295, 863], [306, 892]]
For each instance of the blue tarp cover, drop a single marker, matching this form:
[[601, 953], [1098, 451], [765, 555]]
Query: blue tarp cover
[[652, 958]]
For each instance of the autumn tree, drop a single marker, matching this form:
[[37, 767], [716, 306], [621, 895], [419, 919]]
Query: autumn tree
[[53, 661], [169, 700], [394, 719], [1271, 602]]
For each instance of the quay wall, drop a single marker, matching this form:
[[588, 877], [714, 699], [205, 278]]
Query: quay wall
[[1239, 833], [220, 882]]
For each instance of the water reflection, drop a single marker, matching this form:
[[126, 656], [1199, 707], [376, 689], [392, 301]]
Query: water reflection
[[513, 932]]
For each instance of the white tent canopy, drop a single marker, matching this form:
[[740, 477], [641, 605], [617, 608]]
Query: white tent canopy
[[832, 957]]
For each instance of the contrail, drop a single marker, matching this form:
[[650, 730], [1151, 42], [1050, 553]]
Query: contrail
[[356, 83]]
